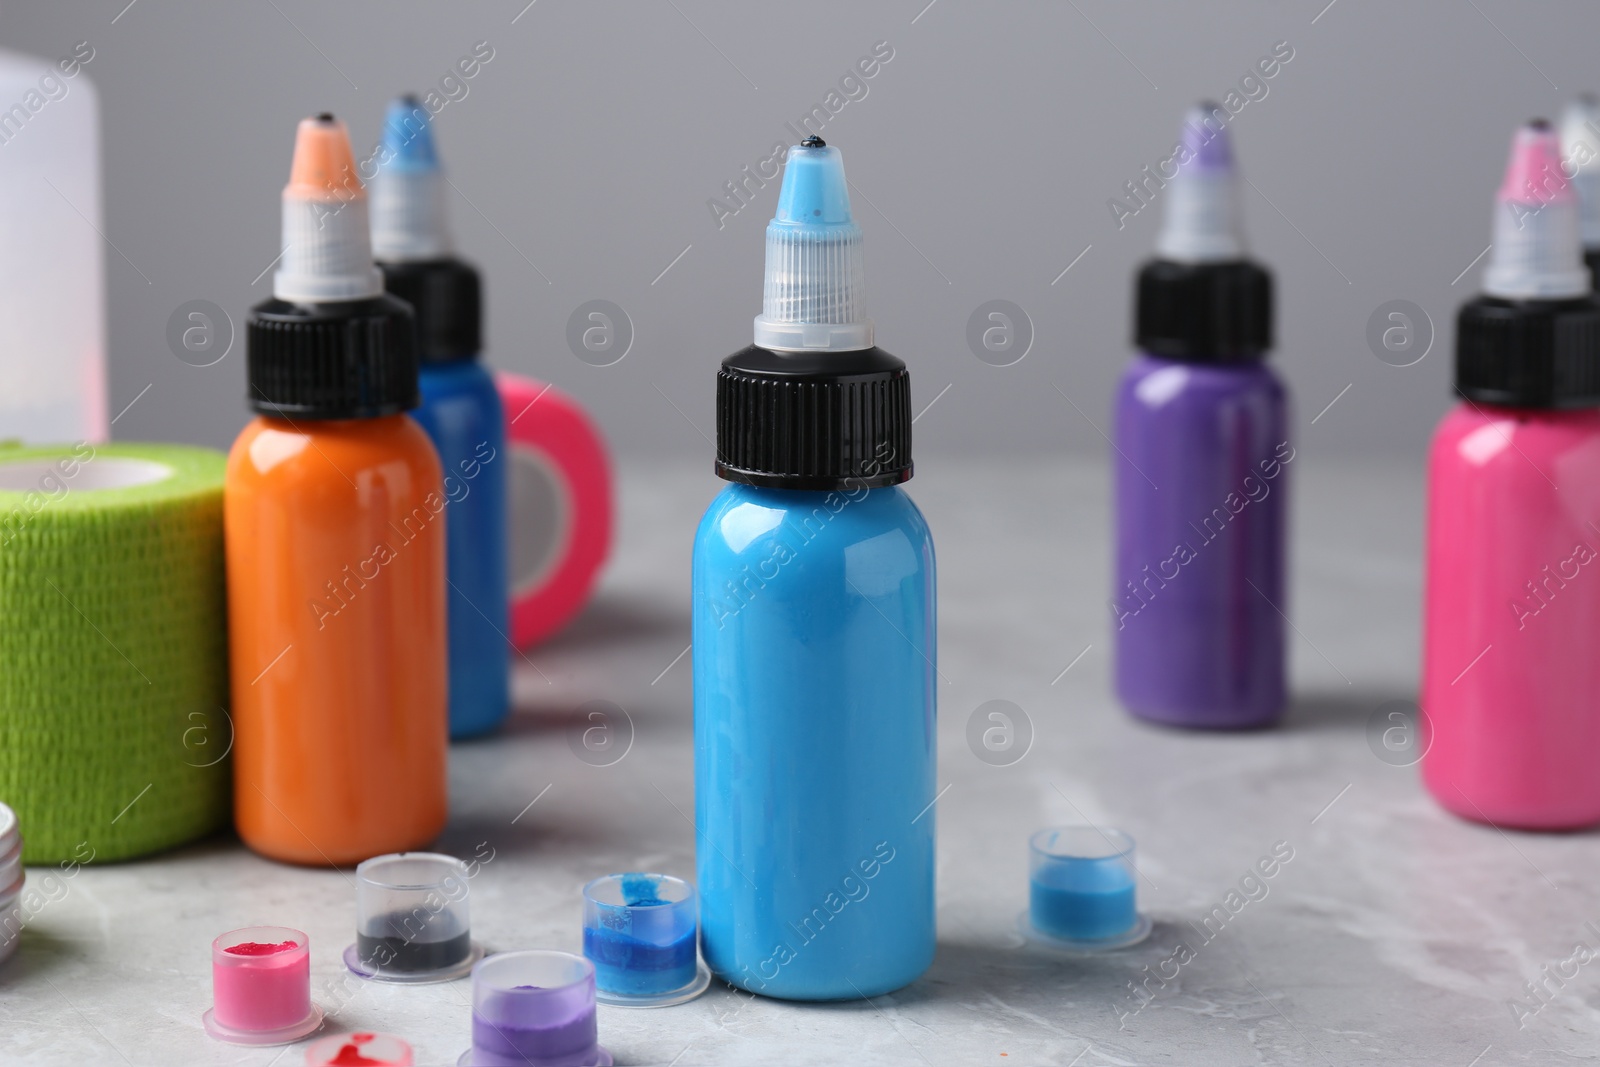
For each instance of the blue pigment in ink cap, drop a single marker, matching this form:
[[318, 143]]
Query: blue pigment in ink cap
[[641, 932], [1081, 892]]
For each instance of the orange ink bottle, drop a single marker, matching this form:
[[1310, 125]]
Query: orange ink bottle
[[334, 511]]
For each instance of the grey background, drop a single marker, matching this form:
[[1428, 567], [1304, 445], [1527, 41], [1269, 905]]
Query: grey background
[[983, 154]]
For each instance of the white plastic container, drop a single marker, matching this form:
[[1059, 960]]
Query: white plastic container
[[11, 879], [52, 255]]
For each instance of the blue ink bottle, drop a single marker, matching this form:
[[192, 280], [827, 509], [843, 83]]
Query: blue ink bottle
[[461, 409], [813, 588]]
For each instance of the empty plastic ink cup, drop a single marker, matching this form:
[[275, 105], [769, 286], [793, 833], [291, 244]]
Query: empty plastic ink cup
[[261, 987], [641, 934], [359, 1050], [11, 882], [411, 919], [1081, 890], [534, 1009]]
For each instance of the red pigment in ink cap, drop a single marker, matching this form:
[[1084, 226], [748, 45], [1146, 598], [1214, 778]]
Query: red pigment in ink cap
[[350, 1056], [257, 948], [360, 1050]]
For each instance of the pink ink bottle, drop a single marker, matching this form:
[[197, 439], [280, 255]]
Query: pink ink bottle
[[1511, 645]]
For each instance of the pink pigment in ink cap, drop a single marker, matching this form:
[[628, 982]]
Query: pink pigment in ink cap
[[261, 987]]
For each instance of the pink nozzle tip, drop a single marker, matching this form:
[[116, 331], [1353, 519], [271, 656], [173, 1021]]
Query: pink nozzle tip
[[1534, 174]]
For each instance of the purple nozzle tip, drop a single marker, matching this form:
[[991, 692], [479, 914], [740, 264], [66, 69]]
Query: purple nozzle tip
[[1205, 135]]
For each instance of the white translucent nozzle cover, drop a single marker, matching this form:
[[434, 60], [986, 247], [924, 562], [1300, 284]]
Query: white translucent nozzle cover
[[327, 248], [1536, 252], [1200, 223], [1580, 148], [814, 297], [408, 218]]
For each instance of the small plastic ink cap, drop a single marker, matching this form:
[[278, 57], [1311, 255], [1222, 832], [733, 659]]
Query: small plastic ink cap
[[12, 880], [412, 242], [1200, 300], [1082, 892], [11, 872], [412, 920], [363, 1049], [641, 933], [1533, 338], [534, 1007], [261, 987]]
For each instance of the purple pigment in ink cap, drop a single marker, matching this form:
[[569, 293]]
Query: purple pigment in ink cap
[[534, 1009], [1201, 466]]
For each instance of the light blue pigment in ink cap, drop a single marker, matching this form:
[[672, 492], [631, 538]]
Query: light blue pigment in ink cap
[[1081, 892]]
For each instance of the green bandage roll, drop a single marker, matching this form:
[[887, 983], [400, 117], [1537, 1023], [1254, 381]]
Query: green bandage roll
[[113, 648]]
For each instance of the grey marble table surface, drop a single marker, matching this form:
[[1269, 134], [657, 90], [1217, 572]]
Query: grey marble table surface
[[1396, 934]]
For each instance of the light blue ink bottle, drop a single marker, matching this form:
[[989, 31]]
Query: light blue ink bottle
[[460, 409], [814, 647]]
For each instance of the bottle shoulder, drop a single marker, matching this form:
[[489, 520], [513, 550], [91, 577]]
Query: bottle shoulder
[[741, 517], [1151, 382], [337, 450], [459, 402], [1517, 441], [462, 375]]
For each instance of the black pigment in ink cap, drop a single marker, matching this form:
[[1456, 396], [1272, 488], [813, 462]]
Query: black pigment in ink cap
[[412, 923]]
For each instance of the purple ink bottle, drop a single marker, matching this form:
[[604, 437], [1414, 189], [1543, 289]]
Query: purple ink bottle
[[1200, 476]]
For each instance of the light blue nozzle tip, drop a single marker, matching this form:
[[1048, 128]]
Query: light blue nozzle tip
[[408, 136], [814, 192], [1205, 134]]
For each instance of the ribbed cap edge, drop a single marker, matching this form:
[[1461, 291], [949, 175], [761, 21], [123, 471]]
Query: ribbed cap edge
[[822, 421]]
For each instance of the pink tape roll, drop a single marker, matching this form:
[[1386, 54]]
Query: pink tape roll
[[558, 503]]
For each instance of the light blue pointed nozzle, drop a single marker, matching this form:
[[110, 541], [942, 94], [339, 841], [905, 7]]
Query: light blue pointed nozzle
[[814, 298], [407, 192], [1200, 222]]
